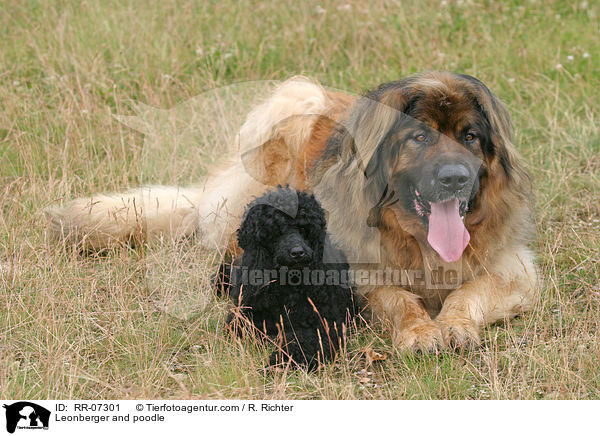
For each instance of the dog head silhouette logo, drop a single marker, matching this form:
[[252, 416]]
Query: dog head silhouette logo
[[26, 415]]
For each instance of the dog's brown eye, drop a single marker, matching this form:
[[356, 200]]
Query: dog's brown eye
[[420, 137], [470, 137]]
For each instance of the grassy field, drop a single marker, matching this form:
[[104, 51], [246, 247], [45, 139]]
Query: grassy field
[[141, 323]]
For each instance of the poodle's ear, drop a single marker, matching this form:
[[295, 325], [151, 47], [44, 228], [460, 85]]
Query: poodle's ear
[[312, 215], [247, 231], [318, 234], [251, 232]]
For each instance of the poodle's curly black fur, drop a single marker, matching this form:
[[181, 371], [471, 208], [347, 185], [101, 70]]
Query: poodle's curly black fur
[[282, 285]]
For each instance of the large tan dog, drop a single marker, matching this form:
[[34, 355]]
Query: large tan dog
[[421, 183]]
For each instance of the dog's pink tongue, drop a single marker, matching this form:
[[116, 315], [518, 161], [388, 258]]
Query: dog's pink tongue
[[447, 233]]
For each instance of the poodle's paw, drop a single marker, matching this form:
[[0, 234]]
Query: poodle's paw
[[460, 333], [420, 336]]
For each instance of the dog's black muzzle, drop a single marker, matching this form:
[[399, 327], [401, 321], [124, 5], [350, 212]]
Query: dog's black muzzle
[[449, 177], [292, 250]]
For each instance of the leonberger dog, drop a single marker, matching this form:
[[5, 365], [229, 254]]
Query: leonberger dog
[[420, 181]]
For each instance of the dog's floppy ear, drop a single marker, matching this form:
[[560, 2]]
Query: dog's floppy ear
[[501, 127], [368, 135], [273, 161], [371, 121], [269, 163], [251, 232], [502, 156], [492, 107], [312, 216]]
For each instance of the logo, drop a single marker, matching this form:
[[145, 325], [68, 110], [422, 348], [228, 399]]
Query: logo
[[26, 415]]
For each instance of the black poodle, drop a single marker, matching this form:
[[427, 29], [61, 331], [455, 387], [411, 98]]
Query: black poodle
[[282, 287]]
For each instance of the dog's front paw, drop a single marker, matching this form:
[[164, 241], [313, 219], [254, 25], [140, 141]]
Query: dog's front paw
[[460, 333], [420, 336]]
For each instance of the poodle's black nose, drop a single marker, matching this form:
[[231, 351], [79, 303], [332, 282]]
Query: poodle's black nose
[[297, 253], [292, 249]]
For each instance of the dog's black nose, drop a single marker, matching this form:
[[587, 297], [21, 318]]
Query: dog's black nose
[[453, 177], [297, 253]]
